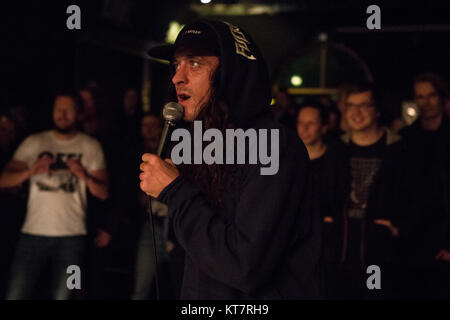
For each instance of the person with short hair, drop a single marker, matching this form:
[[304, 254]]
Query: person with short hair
[[427, 253], [374, 193], [327, 164], [61, 165]]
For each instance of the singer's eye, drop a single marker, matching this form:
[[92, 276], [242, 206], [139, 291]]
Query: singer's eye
[[195, 64]]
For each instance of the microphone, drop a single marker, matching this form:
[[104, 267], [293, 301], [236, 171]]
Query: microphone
[[172, 112]]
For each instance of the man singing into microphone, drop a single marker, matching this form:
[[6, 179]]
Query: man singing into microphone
[[246, 235]]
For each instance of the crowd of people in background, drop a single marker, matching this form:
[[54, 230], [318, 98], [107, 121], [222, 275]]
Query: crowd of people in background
[[384, 196]]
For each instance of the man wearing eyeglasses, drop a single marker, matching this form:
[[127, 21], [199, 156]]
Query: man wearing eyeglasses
[[374, 194]]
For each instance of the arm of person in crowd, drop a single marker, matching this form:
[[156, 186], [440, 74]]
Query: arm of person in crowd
[[97, 181], [17, 172], [242, 252], [388, 224]]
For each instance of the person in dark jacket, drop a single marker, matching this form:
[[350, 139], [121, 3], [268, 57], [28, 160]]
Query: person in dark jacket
[[246, 235], [377, 198], [327, 164], [427, 251], [140, 230]]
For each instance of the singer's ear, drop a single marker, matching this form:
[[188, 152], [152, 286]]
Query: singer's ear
[[169, 161]]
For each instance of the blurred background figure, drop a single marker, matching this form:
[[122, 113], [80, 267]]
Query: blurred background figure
[[12, 199], [95, 117], [132, 203], [62, 166], [427, 254], [130, 114], [312, 124], [284, 109], [337, 124], [374, 193], [8, 137], [21, 118]]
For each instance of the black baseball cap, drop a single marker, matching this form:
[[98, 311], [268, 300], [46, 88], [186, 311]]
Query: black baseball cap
[[198, 37]]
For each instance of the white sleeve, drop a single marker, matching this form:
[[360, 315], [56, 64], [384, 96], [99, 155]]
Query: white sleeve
[[26, 152], [97, 159]]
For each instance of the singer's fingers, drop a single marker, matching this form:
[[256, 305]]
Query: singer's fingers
[[142, 176], [143, 187], [143, 166], [148, 157], [169, 161]]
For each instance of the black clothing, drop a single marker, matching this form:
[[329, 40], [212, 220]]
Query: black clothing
[[390, 196], [365, 162], [429, 151], [318, 167], [264, 241], [375, 183], [375, 150], [327, 171]]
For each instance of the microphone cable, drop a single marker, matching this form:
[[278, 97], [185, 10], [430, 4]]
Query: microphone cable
[[152, 230], [171, 112]]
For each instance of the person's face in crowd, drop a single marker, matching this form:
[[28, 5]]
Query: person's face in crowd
[[360, 111], [150, 128], [192, 81], [64, 114], [88, 100], [130, 101], [427, 99], [309, 126]]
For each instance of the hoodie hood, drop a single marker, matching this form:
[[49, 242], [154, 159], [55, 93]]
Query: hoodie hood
[[244, 76]]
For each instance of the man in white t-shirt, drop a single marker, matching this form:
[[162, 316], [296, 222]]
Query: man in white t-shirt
[[60, 164]]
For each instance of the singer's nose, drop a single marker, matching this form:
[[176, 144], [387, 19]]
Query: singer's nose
[[180, 75]]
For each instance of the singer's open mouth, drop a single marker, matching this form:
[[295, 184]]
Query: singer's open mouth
[[183, 97]]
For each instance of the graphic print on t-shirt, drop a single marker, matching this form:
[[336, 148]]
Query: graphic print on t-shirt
[[363, 171], [59, 178]]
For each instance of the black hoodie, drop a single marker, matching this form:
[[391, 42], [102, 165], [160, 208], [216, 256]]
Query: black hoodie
[[264, 242]]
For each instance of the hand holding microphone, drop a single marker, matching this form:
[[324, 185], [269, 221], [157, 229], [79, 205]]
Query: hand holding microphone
[[157, 173]]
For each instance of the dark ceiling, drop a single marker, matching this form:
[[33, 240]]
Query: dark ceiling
[[39, 52]]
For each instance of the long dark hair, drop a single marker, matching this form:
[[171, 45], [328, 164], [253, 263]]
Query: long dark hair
[[211, 179]]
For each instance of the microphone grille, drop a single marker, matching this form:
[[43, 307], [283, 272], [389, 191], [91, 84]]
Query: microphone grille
[[172, 111]]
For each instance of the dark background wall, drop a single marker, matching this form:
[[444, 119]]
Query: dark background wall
[[39, 54]]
